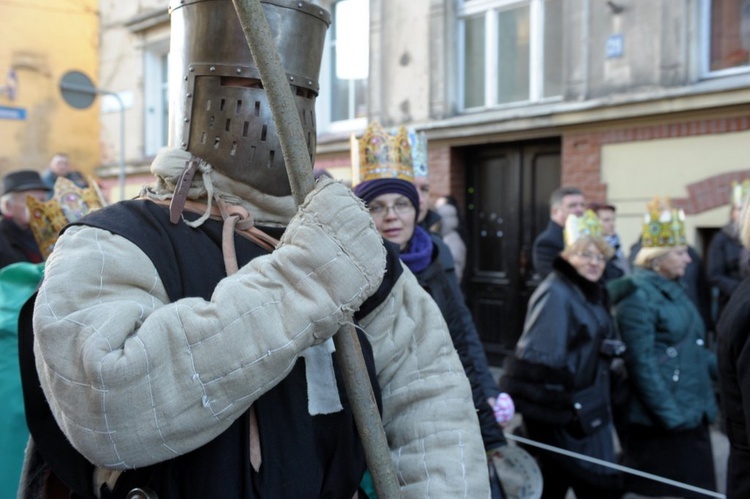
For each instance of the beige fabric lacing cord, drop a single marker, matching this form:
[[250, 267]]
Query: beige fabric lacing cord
[[235, 219]]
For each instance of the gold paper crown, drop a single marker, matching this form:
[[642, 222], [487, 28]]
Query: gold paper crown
[[379, 155], [587, 224], [740, 191], [68, 204], [664, 226]]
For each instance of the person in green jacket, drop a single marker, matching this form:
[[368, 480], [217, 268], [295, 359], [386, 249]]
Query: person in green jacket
[[666, 418], [18, 282]]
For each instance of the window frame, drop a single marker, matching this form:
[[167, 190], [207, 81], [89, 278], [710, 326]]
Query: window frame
[[324, 102], [705, 47], [490, 9], [156, 98]]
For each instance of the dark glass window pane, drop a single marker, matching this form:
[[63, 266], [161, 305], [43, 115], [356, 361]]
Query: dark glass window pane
[[730, 34], [164, 138], [553, 53], [474, 65], [514, 33], [348, 96]]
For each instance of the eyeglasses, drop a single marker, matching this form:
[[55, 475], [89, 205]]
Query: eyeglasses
[[592, 257], [401, 207]]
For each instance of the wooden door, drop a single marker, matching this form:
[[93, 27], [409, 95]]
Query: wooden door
[[507, 205]]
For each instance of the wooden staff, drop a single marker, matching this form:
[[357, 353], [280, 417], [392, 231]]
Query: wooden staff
[[299, 169]]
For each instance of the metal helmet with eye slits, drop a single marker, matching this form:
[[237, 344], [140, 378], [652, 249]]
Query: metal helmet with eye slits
[[219, 110]]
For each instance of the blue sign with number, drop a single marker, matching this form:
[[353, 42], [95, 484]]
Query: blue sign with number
[[615, 46]]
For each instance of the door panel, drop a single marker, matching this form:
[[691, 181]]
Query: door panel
[[508, 188]]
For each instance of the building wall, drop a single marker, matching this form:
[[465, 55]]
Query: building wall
[[41, 42], [129, 30], [654, 86]]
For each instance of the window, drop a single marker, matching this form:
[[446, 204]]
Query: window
[[156, 117], [727, 28], [342, 104], [511, 51]]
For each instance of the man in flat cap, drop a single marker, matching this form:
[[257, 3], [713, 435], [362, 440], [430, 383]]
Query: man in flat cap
[[17, 242]]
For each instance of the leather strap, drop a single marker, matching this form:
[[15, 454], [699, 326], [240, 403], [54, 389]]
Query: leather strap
[[235, 219], [181, 192], [255, 456]]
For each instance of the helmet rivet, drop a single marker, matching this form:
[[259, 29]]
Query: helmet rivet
[[184, 145], [187, 120], [212, 68], [192, 69], [189, 95], [291, 78], [309, 83], [299, 5], [239, 70]]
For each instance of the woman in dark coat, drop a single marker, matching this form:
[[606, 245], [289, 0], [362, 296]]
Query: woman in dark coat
[[666, 419], [393, 201], [559, 376], [733, 352]]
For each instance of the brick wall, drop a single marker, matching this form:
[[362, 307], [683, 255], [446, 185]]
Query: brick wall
[[439, 161]]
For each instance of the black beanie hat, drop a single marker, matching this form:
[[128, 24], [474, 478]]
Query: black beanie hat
[[370, 189]]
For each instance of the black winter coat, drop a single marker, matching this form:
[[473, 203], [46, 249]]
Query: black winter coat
[[558, 353], [557, 359], [547, 246], [733, 351], [723, 262], [17, 244]]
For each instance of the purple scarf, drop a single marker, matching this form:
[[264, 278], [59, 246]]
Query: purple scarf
[[418, 253]]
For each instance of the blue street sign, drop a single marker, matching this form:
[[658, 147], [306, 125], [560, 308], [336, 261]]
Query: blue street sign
[[615, 46], [12, 113]]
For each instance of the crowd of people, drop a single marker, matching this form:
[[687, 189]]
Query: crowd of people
[[663, 374], [179, 344]]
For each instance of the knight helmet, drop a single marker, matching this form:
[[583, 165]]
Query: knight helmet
[[219, 110]]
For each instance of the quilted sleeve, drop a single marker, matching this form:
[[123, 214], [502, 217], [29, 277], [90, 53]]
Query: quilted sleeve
[[428, 412], [133, 380]]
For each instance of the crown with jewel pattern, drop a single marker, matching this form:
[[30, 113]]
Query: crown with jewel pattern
[[740, 191], [576, 227], [664, 226], [69, 203], [380, 155]]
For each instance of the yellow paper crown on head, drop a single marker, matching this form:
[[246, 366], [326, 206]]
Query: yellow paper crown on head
[[576, 227], [664, 226], [69, 203], [740, 191], [380, 155]]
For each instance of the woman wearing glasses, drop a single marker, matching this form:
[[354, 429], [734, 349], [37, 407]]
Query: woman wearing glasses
[[666, 419], [559, 376], [384, 181]]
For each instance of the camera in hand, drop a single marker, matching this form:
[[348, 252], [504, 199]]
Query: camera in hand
[[612, 348]]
